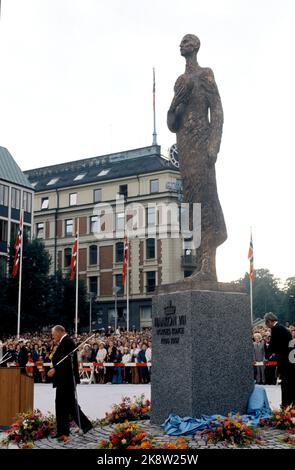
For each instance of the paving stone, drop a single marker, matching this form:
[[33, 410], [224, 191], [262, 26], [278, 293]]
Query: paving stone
[[271, 438]]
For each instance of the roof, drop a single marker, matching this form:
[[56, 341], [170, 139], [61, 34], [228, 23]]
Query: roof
[[10, 171], [99, 169]]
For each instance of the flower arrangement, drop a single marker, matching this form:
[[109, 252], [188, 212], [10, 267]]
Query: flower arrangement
[[281, 419], [127, 436], [289, 440], [231, 430], [128, 409], [30, 427], [181, 443], [131, 436]]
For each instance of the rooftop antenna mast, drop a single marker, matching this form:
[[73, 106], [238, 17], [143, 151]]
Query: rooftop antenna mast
[[154, 108]]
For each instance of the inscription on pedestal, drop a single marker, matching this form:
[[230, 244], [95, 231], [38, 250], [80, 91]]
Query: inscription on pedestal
[[171, 326]]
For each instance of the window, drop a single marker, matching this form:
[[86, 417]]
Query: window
[[123, 190], [3, 195], [79, 177], [69, 228], [68, 257], [44, 203], [40, 230], [120, 221], [93, 285], [93, 255], [151, 216], [154, 186], [150, 281], [52, 181], [13, 232], [73, 199], [96, 195], [145, 317], [150, 248], [3, 266], [111, 317], [15, 198], [3, 230], [103, 172], [94, 225], [119, 252], [27, 201], [119, 283], [27, 231]]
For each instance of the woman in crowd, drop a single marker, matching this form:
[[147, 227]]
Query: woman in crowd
[[100, 357]]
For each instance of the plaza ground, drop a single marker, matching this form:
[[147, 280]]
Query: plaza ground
[[95, 400]]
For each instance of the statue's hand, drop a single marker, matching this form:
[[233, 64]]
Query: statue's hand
[[212, 157]]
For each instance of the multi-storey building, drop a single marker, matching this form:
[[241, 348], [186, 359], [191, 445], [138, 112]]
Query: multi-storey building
[[16, 192], [103, 197]]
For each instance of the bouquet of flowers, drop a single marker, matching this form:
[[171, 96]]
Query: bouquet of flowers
[[30, 427], [132, 436], [130, 410], [181, 443], [127, 436], [282, 419], [231, 430]]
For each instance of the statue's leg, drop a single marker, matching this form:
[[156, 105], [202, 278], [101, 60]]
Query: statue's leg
[[207, 269]]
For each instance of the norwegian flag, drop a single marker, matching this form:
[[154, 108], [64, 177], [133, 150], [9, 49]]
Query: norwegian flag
[[74, 258], [125, 262], [17, 247], [251, 259]]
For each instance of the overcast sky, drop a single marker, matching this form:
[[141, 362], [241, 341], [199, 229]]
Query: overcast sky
[[76, 82]]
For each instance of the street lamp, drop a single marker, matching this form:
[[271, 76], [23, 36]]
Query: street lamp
[[116, 289]]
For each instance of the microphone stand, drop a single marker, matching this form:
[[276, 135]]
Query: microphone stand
[[74, 350], [4, 360], [75, 393]]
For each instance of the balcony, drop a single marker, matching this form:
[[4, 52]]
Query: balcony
[[189, 261]]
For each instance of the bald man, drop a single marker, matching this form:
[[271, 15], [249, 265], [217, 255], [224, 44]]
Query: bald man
[[65, 376]]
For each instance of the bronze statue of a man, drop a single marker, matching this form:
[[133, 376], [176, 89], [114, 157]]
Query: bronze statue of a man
[[196, 116]]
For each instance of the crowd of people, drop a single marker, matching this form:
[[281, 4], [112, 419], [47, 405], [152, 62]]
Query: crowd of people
[[120, 346], [265, 373], [106, 346]]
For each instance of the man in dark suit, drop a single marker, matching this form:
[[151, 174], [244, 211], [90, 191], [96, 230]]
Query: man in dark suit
[[23, 356], [65, 376], [280, 346]]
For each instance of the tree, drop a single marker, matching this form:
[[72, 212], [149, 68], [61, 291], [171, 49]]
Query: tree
[[62, 301], [35, 285], [46, 300], [289, 289], [267, 295]]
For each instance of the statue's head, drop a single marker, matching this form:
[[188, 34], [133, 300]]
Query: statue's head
[[189, 45]]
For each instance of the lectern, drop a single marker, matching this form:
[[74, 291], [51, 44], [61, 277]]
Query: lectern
[[16, 394]]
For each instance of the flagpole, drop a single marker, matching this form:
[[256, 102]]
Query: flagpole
[[127, 288], [251, 258], [77, 281], [20, 273], [251, 299], [154, 108]]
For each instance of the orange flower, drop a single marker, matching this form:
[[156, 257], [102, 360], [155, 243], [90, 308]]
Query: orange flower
[[146, 445]]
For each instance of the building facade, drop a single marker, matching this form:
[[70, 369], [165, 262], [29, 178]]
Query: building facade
[[103, 198], [16, 192]]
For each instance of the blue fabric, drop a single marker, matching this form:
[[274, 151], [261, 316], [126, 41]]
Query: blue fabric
[[258, 407]]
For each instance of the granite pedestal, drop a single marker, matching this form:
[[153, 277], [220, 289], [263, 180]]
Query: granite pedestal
[[202, 353]]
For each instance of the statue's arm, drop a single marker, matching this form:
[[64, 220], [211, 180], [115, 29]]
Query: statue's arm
[[216, 115], [182, 90], [174, 117]]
